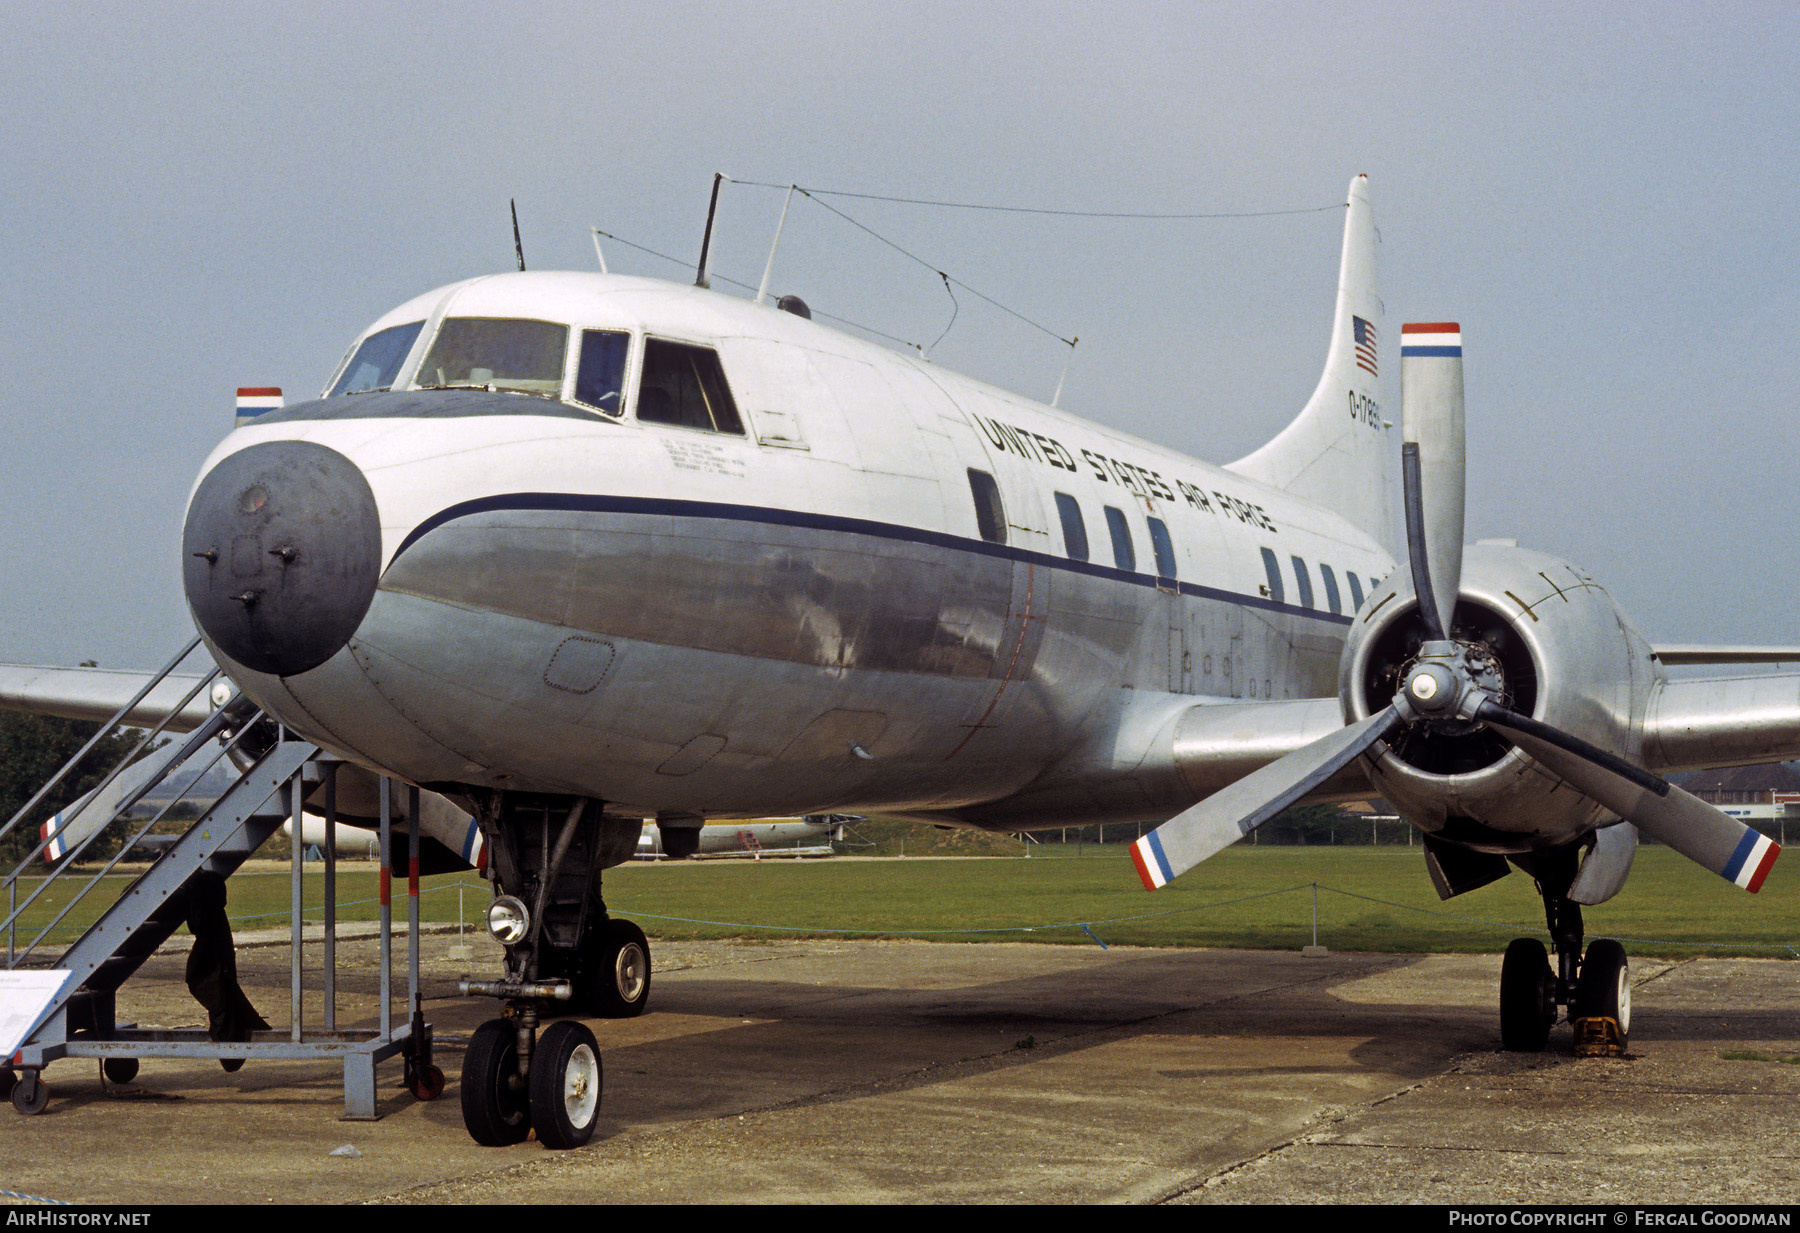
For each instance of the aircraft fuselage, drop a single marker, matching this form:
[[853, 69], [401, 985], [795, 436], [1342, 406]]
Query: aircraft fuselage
[[828, 609]]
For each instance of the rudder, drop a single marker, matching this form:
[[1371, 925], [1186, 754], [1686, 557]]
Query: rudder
[[1337, 452]]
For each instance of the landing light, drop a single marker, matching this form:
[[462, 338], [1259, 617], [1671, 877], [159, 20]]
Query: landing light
[[508, 920]]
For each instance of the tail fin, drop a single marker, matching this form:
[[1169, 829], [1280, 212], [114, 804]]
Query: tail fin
[[1338, 452]]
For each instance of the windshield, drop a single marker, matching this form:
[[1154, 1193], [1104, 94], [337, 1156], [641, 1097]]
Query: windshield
[[500, 353], [377, 362]]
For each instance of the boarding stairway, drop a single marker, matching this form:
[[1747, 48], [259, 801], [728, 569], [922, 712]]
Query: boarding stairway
[[70, 999]]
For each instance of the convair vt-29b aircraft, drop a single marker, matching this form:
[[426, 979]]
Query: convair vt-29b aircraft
[[576, 550]]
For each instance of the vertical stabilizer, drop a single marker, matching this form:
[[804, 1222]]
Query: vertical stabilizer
[[1338, 452]]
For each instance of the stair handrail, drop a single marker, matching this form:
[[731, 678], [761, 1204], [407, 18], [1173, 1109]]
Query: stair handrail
[[122, 765], [195, 740], [105, 731]]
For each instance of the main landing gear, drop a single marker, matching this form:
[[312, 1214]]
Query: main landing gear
[[1596, 989], [563, 953]]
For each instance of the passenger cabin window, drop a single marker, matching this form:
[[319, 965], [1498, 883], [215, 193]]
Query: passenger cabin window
[[1124, 554], [1075, 540], [1163, 547], [1272, 568], [990, 514], [600, 373], [496, 353], [684, 385], [377, 362], [1332, 600], [1356, 592], [1304, 578]]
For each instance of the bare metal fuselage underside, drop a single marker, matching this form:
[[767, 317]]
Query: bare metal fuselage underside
[[679, 656]]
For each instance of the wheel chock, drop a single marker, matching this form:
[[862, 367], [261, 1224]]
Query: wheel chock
[[1599, 1036]]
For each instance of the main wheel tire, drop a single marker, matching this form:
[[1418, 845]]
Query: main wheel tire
[[566, 1081], [495, 1108], [1603, 989], [119, 1069], [30, 1094], [1527, 997], [622, 983]]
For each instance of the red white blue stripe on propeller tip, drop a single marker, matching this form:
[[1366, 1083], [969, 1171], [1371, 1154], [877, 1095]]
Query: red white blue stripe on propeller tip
[[1152, 865], [53, 831], [1752, 860], [1440, 338]]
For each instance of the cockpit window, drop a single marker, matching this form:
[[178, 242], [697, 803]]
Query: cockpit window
[[600, 374], [684, 385], [377, 362], [499, 353]]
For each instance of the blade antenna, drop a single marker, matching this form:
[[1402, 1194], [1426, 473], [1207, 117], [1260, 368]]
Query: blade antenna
[[518, 245], [703, 276]]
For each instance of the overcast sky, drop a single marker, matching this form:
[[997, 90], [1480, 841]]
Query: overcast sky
[[1608, 198]]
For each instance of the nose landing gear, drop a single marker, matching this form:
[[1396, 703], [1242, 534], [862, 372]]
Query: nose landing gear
[[561, 947]]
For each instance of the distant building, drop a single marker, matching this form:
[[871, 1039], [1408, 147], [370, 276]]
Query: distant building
[[1765, 797]]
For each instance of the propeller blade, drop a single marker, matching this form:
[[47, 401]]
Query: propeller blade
[[1704, 835], [1233, 812], [1433, 461], [69, 829]]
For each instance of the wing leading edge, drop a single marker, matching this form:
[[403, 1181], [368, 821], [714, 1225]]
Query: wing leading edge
[[96, 694]]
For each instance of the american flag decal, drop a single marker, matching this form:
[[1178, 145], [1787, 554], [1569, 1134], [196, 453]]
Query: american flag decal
[[1365, 345]]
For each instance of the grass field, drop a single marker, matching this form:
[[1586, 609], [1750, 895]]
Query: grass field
[[1259, 897]]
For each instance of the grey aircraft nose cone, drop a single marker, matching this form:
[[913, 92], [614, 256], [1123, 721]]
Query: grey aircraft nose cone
[[281, 554]]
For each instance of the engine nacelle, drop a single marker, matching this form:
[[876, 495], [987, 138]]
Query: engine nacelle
[[1550, 643]]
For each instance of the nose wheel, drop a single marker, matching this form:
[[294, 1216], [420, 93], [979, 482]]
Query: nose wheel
[[495, 1107], [565, 1085], [556, 1090]]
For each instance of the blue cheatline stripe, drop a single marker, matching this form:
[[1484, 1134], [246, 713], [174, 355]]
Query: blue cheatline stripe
[[668, 507], [1162, 862], [1451, 352], [1745, 847]]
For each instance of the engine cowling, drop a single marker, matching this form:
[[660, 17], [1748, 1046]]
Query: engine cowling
[[1550, 643]]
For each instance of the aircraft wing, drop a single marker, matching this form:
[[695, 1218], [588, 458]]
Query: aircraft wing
[[1696, 724], [1172, 752], [97, 693], [1693, 654], [1215, 746], [1723, 721]]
